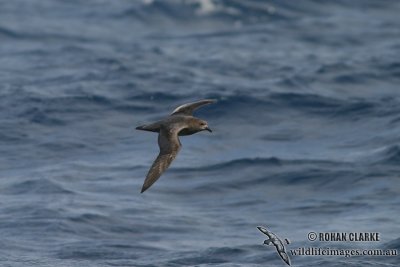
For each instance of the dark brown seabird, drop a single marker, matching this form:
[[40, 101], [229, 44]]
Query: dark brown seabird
[[180, 122]]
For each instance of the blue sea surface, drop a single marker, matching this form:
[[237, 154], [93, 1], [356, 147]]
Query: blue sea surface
[[306, 130]]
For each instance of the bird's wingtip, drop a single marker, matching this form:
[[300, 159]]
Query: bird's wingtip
[[211, 100], [143, 189]]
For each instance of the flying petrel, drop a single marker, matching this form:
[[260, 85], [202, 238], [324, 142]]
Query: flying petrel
[[180, 122], [274, 240]]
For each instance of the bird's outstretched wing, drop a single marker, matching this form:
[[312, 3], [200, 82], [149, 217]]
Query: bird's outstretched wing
[[187, 109], [285, 257], [169, 144], [266, 232]]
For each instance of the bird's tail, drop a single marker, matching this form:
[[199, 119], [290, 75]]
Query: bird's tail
[[155, 127], [141, 127]]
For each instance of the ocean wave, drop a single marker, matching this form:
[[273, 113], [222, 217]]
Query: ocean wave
[[237, 13], [7, 33], [37, 186], [12, 136], [61, 110], [213, 255], [322, 178], [234, 164], [391, 155], [394, 244], [40, 36], [194, 10], [251, 11], [247, 105]]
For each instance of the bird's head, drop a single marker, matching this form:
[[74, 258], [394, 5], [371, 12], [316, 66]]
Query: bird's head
[[202, 125]]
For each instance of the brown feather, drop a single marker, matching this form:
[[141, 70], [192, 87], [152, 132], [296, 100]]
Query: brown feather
[[170, 145]]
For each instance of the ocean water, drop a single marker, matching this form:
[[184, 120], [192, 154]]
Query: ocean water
[[305, 131]]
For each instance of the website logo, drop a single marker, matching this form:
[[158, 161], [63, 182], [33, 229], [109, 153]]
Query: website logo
[[274, 240]]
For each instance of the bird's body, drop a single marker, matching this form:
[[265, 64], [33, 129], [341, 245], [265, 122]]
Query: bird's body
[[188, 122], [179, 123]]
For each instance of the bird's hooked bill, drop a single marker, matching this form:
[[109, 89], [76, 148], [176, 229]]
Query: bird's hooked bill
[[208, 129]]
